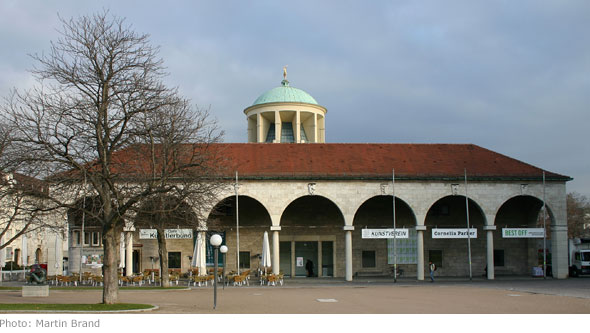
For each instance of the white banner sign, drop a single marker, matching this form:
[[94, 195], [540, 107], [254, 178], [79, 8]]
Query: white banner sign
[[454, 233], [522, 232], [168, 233], [385, 233]]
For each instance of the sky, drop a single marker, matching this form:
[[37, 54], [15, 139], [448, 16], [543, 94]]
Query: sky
[[510, 76]]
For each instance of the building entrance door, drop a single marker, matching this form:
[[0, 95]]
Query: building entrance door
[[294, 256], [136, 256], [306, 252]]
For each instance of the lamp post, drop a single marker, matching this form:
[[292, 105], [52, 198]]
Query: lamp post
[[223, 250], [215, 242]]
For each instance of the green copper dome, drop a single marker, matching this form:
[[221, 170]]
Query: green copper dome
[[285, 93]]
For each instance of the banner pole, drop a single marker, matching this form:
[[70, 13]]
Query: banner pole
[[468, 230], [237, 226], [544, 232], [394, 229]]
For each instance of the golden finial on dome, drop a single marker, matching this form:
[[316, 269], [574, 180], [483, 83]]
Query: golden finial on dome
[[285, 72]]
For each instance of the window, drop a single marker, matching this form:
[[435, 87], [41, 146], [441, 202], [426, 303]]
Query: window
[[270, 136], [287, 133], [244, 259], [368, 259], [436, 256], [76, 238], [96, 238], [87, 236], [174, 260], [498, 258]]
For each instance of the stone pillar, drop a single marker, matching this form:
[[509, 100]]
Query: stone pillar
[[297, 128], [276, 262], [559, 251], [259, 128], [489, 229], [320, 263], [348, 251], [128, 253], [315, 128], [293, 259], [278, 127], [420, 252]]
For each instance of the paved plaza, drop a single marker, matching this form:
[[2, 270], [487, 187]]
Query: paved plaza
[[369, 296]]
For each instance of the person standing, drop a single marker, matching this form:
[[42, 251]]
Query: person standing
[[309, 268], [432, 268]]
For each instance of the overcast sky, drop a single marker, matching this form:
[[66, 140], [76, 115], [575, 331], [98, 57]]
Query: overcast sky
[[510, 76]]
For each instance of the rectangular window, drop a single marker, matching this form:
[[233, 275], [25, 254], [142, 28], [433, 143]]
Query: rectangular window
[[498, 258], [76, 238], [174, 260], [87, 236], [96, 238], [244, 259], [369, 259], [436, 257]]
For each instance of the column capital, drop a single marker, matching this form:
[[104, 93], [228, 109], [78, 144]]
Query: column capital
[[348, 228], [420, 228], [489, 228], [275, 228], [562, 228]]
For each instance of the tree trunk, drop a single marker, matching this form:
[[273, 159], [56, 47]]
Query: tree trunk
[[163, 253], [110, 293]]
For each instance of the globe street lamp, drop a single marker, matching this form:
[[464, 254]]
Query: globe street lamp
[[223, 250], [215, 242]]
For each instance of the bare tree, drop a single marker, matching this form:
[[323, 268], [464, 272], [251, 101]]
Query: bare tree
[[189, 197], [578, 215], [93, 120], [21, 197]]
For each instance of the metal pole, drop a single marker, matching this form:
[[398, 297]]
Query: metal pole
[[82, 230], [236, 186], [223, 276], [468, 230], [394, 229], [544, 232], [215, 258]]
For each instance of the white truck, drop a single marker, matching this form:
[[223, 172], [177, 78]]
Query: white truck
[[579, 256]]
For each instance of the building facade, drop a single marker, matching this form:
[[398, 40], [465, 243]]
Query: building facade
[[325, 202]]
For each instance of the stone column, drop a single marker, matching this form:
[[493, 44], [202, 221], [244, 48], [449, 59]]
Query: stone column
[[275, 249], [320, 263], [559, 251], [259, 137], [315, 128], [278, 127], [420, 252], [297, 128], [128, 253], [348, 250], [489, 229], [293, 259]]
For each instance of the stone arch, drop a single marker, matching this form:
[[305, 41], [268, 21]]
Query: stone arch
[[254, 220], [372, 256], [452, 255], [520, 211], [164, 213], [312, 229], [305, 205]]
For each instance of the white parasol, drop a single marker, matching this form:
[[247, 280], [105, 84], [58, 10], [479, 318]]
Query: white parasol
[[24, 251], [122, 251], [265, 252], [199, 255]]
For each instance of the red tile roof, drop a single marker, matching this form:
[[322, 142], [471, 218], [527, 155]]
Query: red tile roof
[[374, 161]]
